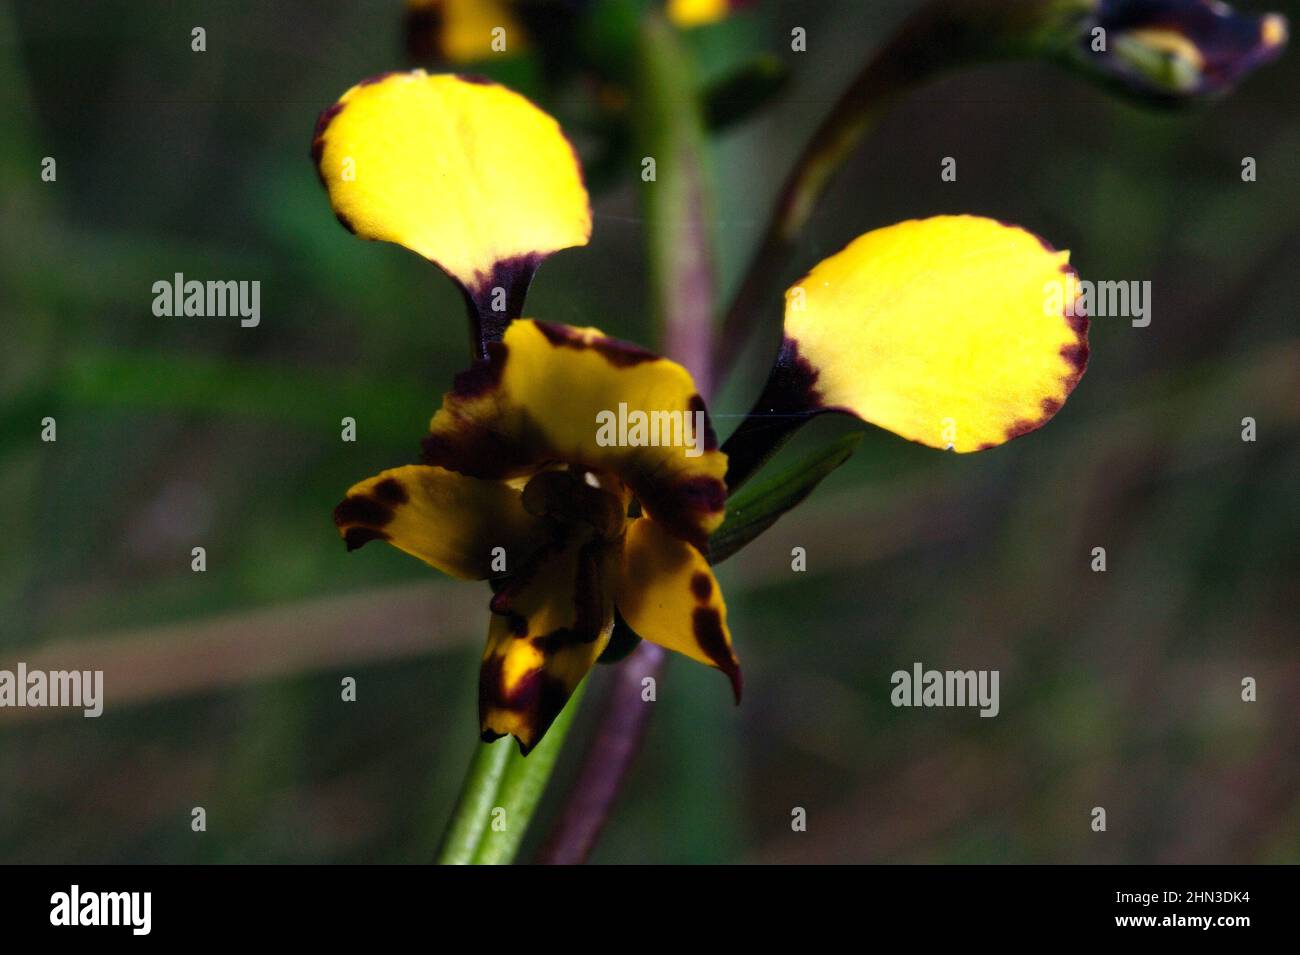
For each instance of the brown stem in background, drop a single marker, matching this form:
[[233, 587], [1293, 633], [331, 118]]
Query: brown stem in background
[[677, 205], [623, 720]]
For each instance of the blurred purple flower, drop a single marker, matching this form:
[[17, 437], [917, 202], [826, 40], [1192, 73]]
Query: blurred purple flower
[[1180, 49]]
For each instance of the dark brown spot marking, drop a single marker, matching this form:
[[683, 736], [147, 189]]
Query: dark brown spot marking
[[702, 586], [1021, 428], [511, 586], [679, 506], [1075, 353], [1077, 356], [618, 353], [560, 639], [362, 509], [355, 537], [588, 603], [706, 623], [514, 275], [478, 79], [471, 448], [390, 491], [483, 375], [539, 697], [710, 436]]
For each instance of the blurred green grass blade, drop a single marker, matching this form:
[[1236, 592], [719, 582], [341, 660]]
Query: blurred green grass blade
[[677, 200], [306, 398], [756, 506]]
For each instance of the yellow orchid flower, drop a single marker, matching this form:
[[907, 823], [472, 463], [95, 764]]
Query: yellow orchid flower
[[939, 330], [478, 180], [468, 31], [514, 470]]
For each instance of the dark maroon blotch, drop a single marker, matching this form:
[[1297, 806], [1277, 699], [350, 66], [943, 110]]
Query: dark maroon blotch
[[514, 275], [355, 537], [618, 353], [390, 491], [706, 623], [710, 436], [362, 509], [483, 375]]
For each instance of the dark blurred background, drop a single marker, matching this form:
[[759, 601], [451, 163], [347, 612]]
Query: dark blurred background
[[1119, 689]]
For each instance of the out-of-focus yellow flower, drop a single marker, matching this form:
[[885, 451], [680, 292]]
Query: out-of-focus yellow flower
[[468, 31]]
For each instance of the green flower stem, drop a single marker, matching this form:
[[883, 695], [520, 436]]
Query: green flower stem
[[942, 36], [478, 794], [521, 788], [500, 793]]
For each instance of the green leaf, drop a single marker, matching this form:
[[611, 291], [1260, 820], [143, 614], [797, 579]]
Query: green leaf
[[756, 507]]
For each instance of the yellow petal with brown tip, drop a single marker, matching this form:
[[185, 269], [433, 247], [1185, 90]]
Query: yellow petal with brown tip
[[956, 331], [448, 520], [669, 596]]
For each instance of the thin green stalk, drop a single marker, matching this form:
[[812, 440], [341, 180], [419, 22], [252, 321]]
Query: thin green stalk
[[500, 793], [478, 794], [521, 789]]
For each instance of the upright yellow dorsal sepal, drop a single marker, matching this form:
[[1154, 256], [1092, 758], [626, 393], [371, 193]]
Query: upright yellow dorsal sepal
[[461, 171]]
